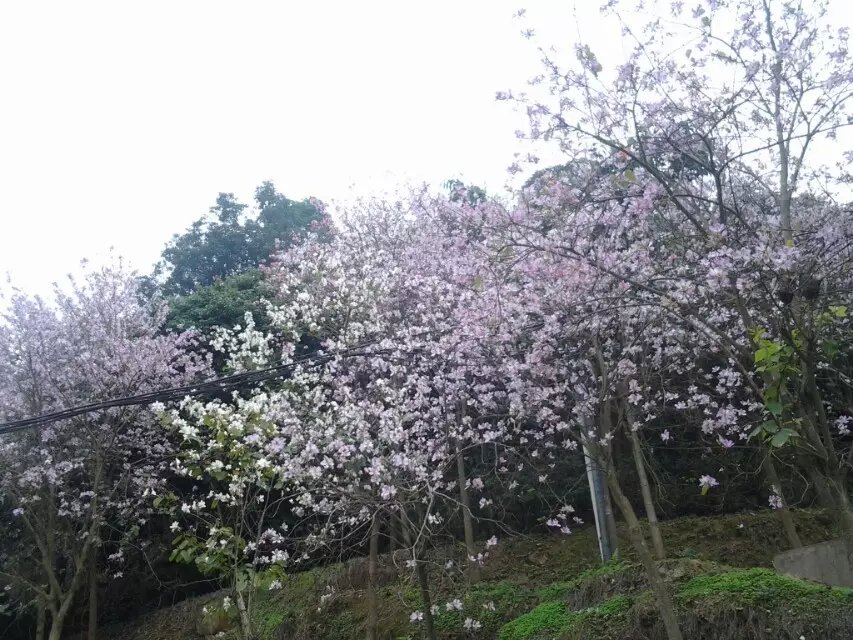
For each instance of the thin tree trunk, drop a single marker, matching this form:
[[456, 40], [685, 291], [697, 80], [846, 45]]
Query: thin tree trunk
[[423, 582], [784, 513], [55, 629], [836, 478], [392, 535], [57, 621], [372, 571], [92, 629], [844, 511], [781, 139], [245, 619], [645, 489], [423, 579], [666, 608], [41, 620], [611, 523], [472, 570], [820, 486]]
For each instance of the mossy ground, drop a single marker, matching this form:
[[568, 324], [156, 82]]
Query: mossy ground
[[725, 604], [544, 587]]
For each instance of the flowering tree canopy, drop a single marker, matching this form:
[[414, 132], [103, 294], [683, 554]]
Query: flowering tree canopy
[[78, 485]]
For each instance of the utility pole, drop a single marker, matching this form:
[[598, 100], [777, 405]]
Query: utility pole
[[605, 523]]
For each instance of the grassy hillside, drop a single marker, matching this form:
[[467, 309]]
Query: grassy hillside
[[551, 587]]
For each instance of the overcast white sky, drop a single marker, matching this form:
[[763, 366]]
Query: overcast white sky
[[121, 121]]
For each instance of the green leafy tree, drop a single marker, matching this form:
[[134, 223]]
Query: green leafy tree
[[211, 274], [221, 304], [228, 241]]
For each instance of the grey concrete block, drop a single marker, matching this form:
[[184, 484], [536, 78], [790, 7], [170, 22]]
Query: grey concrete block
[[828, 562]]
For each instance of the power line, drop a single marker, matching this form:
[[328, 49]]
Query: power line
[[229, 383], [215, 385], [207, 387]]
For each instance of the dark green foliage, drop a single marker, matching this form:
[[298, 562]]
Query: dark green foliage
[[214, 246], [280, 222], [226, 242], [223, 303], [459, 191]]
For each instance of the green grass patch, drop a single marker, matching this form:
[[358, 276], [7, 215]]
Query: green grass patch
[[552, 618], [765, 588], [490, 603], [561, 590]]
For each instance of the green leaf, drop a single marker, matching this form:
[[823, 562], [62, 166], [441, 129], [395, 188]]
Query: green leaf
[[770, 426], [838, 312], [705, 489], [757, 334], [830, 348], [781, 438], [774, 407], [632, 177]]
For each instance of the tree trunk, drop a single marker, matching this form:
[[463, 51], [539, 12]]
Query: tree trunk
[[393, 540], [92, 629], [245, 619], [423, 582], [820, 485], [472, 570], [666, 608], [55, 630], [41, 621], [784, 513], [611, 521], [645, 489], [57, 621], [782, 143], [845, 514], [372, 571]]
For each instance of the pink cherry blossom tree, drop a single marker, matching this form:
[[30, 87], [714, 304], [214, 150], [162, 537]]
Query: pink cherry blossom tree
[[685, 202], [77, 490]]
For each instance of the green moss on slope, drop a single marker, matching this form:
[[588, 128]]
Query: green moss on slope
[[765, 588], [553, 620]]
